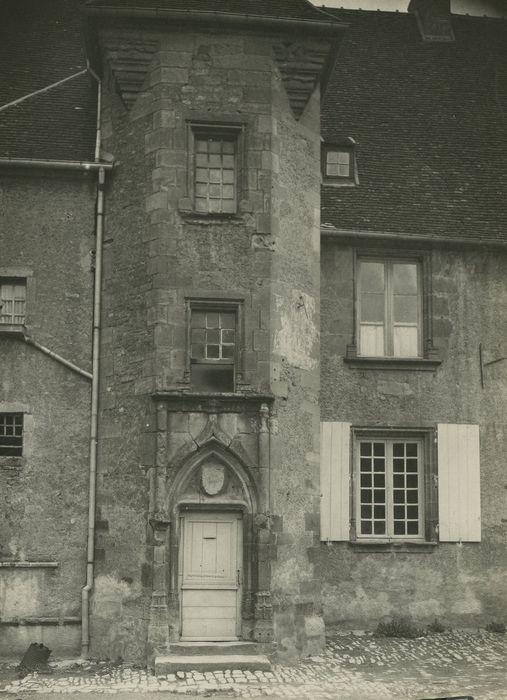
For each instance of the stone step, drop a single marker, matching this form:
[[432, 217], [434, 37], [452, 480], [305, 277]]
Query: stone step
[[214, 648], [171, 663]]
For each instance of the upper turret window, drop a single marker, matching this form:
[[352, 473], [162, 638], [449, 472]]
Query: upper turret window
[[215, 174]]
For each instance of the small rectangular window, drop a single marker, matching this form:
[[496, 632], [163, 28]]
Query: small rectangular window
[[11, 434], [12, 301], [389, 308], [213, 348], [390, 488], [216, 154], [339, 163]]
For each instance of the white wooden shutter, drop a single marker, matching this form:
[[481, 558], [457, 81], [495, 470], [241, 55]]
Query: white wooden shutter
[[459, 487], [334, 481]]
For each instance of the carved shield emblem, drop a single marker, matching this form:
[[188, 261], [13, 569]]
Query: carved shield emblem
[[213, 478]]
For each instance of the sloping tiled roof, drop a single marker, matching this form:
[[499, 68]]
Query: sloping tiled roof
[[40, 44], [431, 125], [287, 9]]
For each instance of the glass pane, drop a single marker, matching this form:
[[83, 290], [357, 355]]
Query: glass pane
[[227, 352], [372, 308], [379, 465], [379, 528], [198, 351], [365, 464], [213, 337], [201, 204], [201, 160], [201, 190], [399, 512], [412, 497], [379, 449], [228, 146], [228, 162], [411, 465], [366, 480], [333, 169], [198, 319], [227, 191], [366, 528], [399, 528], [227, 320], [411, 449], [212, 320], [413, 512], [215, 176], [365, 448], [213, 352], [412, 481], [405, 278], [399, 481], [332, 157], [379, 512], [380, 481], [214, 146], [379, 496], [406, 341], [366, 511], [198, 336], [372, 277], [371, 341], [366, 496], [399, 496], [227, 336], [228, 177], [201, 146], [398, 449], [398, 465], [201, 175], [405, 309], [215, 162], [412, 528]]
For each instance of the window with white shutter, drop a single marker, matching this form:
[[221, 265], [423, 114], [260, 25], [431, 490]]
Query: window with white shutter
[[335, 482], [459, 487]]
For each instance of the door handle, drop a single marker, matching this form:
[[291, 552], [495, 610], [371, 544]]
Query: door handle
[[238, 577]]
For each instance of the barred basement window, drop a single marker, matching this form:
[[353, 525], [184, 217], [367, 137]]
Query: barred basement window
[[11, 434], [12, 301], [213, 348], [215, 172], [390, 488]]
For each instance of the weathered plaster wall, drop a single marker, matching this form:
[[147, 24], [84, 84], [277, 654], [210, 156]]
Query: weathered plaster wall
[[43, 495], [462, 584]]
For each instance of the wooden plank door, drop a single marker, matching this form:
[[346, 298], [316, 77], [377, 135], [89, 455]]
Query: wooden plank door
[[211, 576]]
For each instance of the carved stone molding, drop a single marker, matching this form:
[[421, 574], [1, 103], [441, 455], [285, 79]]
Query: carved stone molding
[[129, 59], [301, 66]]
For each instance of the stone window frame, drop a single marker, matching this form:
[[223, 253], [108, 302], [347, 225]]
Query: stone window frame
[[429, 358], [426, 437], [345, 146], [217, 304], [230, 130], [10, 462]]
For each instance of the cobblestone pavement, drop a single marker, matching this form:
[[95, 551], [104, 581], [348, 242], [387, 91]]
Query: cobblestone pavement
[[353, 667]]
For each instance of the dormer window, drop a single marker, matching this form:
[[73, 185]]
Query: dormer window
[[339, 164]]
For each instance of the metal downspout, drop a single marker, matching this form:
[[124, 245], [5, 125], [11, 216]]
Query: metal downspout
[[97, 302]]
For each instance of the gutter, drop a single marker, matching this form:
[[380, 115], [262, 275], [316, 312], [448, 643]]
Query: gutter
[[55, 164], [308, 26], [344, 234], [94, 416]]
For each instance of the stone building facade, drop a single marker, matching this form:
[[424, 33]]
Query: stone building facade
[[161, 242]]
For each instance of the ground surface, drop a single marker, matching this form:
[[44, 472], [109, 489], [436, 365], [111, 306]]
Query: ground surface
[[353, 667]]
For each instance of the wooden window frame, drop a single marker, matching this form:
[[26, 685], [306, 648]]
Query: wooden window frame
[[428, 358], [428, 484], [20, 282], [216, 306], [16, 416], [224, 131]]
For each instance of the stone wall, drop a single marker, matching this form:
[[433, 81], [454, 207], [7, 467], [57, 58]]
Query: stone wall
[[461, 584], [159, 254]]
